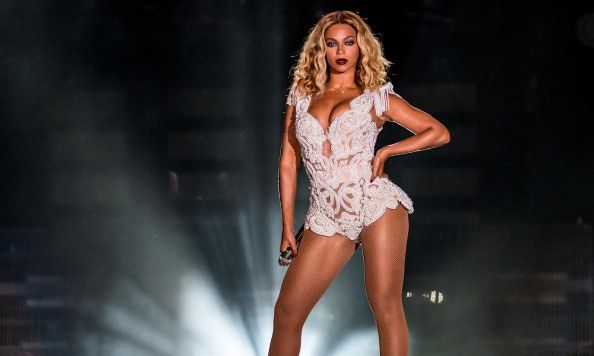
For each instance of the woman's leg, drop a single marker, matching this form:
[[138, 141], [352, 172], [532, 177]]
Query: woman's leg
[[384, 249], [317, 263]]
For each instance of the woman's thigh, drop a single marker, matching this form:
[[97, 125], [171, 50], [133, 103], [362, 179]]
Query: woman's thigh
[[318, 262], [384, 251]]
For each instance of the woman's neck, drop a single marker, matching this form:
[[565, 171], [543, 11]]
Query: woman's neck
[[341, 81]]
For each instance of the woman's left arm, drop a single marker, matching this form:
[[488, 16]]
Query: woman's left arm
[[428, 132]]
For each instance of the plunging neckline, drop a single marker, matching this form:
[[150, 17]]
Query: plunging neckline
[[337, 117]]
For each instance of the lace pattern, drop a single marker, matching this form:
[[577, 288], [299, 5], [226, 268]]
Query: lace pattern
[[338, 166]]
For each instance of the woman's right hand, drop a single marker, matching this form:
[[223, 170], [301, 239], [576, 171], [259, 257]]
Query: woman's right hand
[[288, 240]]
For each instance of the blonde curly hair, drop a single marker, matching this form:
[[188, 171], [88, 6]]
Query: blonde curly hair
[[310, 73]]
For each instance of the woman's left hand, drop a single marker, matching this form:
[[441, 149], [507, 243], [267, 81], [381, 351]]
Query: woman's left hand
[[377, 165]]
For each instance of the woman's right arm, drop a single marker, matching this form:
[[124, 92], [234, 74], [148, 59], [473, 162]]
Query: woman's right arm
[[290, 158]]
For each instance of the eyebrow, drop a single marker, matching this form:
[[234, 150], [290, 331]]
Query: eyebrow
[[332, 38]]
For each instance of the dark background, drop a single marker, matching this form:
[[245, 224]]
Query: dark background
[[139, 184]]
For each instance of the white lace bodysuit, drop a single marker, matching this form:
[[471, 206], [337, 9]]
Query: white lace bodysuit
[[342, 198]]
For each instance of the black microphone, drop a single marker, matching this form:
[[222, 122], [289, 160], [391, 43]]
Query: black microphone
[[286, 257]]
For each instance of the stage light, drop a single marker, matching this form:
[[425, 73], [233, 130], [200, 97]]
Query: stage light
[[212, 327], [433, 296], [360, 342]]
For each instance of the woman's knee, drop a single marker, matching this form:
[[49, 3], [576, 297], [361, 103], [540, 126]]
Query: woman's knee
[[384, 298], [284, 306], [386, 309], [289, 311]]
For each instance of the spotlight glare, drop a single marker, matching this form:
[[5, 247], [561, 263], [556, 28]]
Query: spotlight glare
[[360, 342], [212, 327]]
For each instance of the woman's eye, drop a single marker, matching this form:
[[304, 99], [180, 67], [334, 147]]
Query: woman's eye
[[330, 44], [350, 42]]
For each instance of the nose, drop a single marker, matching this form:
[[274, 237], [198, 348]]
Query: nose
[[340, 49]]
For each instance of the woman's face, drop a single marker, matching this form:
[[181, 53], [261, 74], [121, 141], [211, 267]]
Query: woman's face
[[342, 50]]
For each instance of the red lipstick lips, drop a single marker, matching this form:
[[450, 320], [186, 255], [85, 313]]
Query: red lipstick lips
[[341, 61]]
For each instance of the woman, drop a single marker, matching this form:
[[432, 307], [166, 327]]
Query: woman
[[336, 107]]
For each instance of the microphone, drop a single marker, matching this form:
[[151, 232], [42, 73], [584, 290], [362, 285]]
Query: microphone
[[286, 257]]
